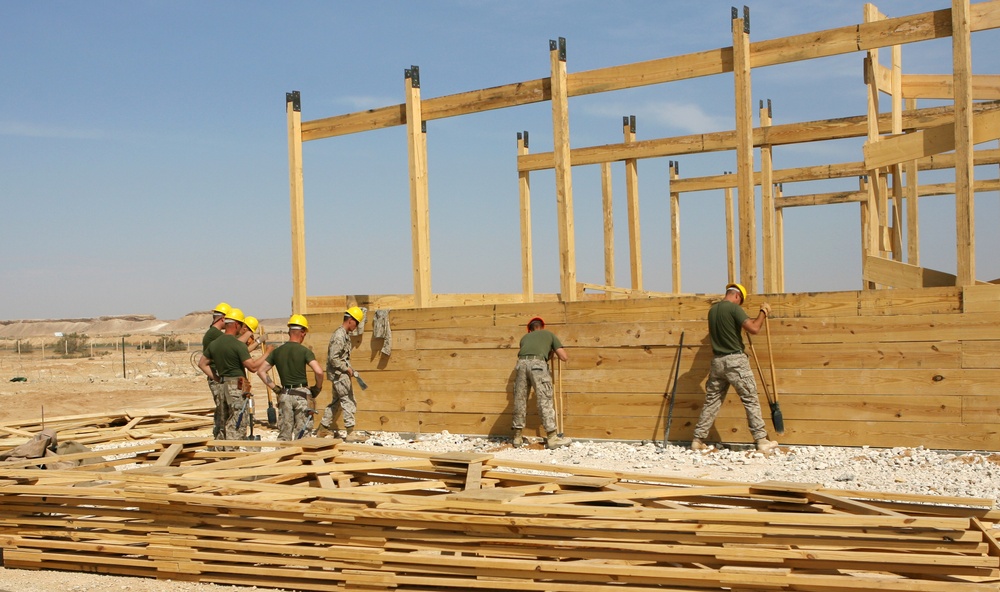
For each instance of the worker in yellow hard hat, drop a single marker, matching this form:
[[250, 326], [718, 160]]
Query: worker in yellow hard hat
[[214, 332], [295, 397], [730, 366], [340, 372], [225, 361], [249, 335]]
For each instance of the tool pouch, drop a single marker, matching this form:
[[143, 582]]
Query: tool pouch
[[243, 384]]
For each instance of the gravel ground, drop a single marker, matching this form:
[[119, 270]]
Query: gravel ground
[[897, 470]]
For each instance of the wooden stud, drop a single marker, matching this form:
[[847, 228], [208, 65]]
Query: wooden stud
[[416, 141], [744, 153], [632, 199], [563, 170], [293, 115], [767, 206], [965, 220], [609, 224], [675, 230], [524, 193]]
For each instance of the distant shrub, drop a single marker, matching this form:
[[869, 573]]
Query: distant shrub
[[71, 344], [170, 344]]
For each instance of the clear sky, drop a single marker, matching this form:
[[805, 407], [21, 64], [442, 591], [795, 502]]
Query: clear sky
[[144, 166]]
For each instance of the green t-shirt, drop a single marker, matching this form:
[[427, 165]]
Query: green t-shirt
[[539, 343], [291, 360], [228, 354], [725, 326], [211, 335]]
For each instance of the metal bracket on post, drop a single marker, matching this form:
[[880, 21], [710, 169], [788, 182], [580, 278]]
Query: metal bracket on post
[[769, 112], [631, 123], [525, 138], [423, 126], [295, 99], [561, 46], [413, 73], [746, 17]]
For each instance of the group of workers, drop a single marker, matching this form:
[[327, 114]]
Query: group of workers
[[226, 360], [229, 340]]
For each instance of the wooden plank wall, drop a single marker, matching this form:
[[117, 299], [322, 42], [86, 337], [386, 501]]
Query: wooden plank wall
[[882, 368]]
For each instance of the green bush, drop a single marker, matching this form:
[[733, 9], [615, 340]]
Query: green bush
[[71, 344], [170, 344]]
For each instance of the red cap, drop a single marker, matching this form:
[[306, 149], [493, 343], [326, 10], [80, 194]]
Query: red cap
[[540, 319]]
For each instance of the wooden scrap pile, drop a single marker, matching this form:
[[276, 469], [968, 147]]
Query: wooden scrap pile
[[99, 428], [318, 514]]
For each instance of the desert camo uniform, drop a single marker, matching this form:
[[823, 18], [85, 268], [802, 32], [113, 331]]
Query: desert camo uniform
[[532, 370], [227, 354], [219, 423], [338, 366], [291, 360]]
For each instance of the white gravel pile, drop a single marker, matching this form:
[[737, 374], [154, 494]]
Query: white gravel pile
[[896, 470]]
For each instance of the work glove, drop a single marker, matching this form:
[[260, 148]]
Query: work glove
[[276, 389], [766, 309], [315, 390]]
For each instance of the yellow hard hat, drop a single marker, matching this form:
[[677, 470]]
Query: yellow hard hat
[[355, 313], [298, 320], [235, 314], [739, 288], [222, 308], [252, 323]]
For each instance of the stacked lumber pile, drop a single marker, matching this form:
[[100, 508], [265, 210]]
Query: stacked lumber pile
[[319, 514], [100, 428]]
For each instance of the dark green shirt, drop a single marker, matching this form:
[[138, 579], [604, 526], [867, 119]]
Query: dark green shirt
[[291, 360], [227, 355], [539, 343], [211, 335], [725, 327]]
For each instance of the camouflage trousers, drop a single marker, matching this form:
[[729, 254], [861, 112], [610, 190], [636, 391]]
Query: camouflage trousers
[[533, 372], [293, 417], [733, 369], [234, 410], [218, 418], [343, 396]]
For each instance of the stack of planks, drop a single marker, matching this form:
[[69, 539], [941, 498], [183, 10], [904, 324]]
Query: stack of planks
[[319, 514], [99, 428]]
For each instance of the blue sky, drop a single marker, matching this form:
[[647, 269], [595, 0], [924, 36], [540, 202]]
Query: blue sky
[[144, 166]]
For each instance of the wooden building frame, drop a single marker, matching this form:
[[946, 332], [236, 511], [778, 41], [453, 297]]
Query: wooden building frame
[[883, 160], [908, 359]]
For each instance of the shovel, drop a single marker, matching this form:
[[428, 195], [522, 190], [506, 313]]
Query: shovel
[[272, 413], [673, 392], [776, 419]]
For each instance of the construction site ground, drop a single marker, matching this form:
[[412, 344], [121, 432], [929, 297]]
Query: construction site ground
[[31, 386]]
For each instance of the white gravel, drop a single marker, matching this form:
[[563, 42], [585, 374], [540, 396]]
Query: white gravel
[[897, 470]]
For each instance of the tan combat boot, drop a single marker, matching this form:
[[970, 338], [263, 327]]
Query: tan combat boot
[[554, 440], [518, 440], [698, 446], [324, 432], [766, 447], [355, 437]]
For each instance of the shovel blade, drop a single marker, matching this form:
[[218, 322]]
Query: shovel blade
[[272, 415], [777, 419]]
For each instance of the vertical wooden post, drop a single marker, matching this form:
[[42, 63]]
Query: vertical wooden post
[[293, 113], [897, 170], [767, 205], [563, 172], [872, 219], [779, 240], [609, 224], [912, 207], [419, 200], [964, 173], [731, 276], [632, 197], [675, 231], [744, 151], [524, 190]]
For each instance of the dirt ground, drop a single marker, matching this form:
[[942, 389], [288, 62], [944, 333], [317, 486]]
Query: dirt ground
[[79, 386]]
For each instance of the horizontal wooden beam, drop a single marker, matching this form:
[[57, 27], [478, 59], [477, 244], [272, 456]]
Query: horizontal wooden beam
[[903, 275], [932, 140], [821, 199], [985, 87], [830, 42]]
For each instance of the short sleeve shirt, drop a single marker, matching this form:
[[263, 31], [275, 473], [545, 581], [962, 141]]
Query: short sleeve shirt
[[539, 343], [725, 327], [228, 354], [291, 360]]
